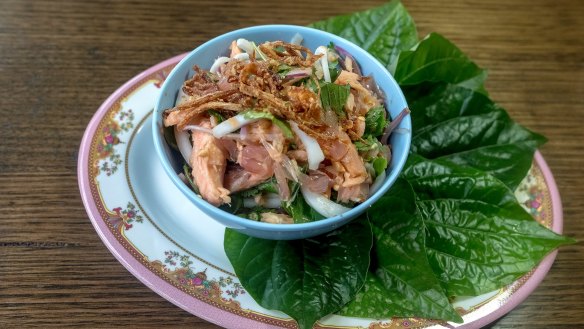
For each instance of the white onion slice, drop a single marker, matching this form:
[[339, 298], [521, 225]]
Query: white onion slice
[[271, 200], [296, 39], [321, 204], [324, 62], [377, 183], [230, 125], [218, 62], [181, 97], [210, 131], [313, 151], [198, 128], [245, 45], [184, 144], [242, 57]]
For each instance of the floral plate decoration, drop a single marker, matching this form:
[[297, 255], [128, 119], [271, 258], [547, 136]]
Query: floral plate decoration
[[133, 207]]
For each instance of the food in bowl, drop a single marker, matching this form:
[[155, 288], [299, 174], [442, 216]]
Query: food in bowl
[[274, 128]]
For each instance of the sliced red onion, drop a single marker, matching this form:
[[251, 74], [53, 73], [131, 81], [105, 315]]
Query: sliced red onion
[[184, 144], [321, 204], [299, 73], [324, 62], [313, 151], [345, 54], [393, 124], [230, 125], [218, 62], [283, 187], [369, 83], [296, 39], [377, 183]]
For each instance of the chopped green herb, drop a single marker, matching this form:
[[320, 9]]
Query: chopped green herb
[[216, 115], [269, 186], [334, 68], [283, 125], [368, 143], [298, 209], [259, 52], [379, 165], [189, 177], [333, 97], [255, 213], [375, 121]]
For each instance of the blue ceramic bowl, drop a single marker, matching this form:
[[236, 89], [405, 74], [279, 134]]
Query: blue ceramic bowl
[[204, 56]]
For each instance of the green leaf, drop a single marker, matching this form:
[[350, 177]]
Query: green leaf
[[435, 59], [168, 133], [235, 205], [306, 279], [368, 143], [254, 213], [269, 186], [379, 165], [333, 97], [189, 176], [298, 209], [216, 115], [435, 179], [375, 121], [467, 128], [283, 125], [334, 67], [478, 238], [383, 31], [401, 282], [258, 52]]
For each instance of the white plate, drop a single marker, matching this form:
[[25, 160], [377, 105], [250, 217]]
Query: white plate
[[134, 208]]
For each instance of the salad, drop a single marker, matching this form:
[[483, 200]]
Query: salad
[[275, 126]]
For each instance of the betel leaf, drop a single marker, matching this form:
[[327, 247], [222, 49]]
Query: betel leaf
[[466, 249], [478, 238], [383, 31], [333, 97], [400, 282], [306, 279], [433, 179], [436, 59], [467, 128]]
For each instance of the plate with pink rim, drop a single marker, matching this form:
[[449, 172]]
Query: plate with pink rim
[[134, 208]]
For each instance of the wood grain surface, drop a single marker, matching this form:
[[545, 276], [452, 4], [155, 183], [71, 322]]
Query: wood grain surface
[[59, 60]]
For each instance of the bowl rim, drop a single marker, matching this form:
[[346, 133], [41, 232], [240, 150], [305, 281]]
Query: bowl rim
[[241, 222]]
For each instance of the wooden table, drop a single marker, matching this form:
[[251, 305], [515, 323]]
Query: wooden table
[[60, 59]]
